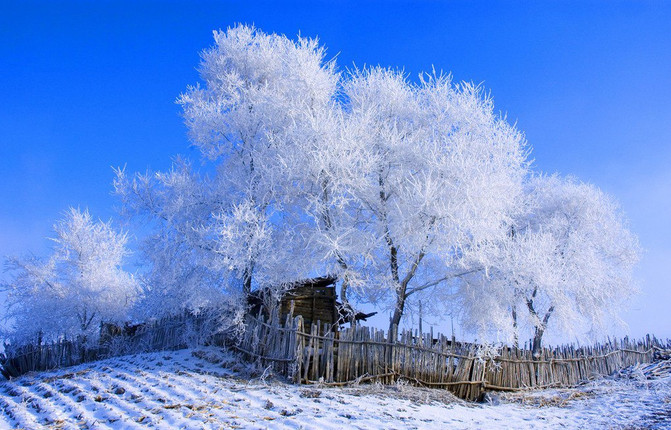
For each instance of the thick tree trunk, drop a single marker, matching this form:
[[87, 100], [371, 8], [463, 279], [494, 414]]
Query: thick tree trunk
[[537, 342], [541, 325], [398, 309], [347, 307]]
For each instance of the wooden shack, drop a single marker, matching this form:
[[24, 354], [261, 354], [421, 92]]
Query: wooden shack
[[313, 299]]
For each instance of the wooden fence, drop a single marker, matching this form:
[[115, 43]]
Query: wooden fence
[[354, 355], [360, 354], [169, 333]]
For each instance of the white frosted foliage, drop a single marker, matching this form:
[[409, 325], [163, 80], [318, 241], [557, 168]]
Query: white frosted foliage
[[81, 284], [565, 265]]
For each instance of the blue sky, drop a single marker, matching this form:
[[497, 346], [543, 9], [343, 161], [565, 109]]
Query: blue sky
[[85, 86]]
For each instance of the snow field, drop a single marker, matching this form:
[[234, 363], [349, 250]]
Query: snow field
[[210, 389]]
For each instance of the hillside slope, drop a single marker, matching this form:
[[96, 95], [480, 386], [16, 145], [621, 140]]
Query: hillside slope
[[209, 388]]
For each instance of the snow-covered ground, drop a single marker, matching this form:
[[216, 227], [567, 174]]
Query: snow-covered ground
[[209, 388]]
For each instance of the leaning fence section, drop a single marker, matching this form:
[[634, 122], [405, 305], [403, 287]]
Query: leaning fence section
[[271, 343], [360, 354]]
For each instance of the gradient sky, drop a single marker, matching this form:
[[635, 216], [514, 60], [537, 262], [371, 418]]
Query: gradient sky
[[85, 86]]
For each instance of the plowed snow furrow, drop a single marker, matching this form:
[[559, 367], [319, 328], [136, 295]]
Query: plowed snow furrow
[[108, 407], [18, 413], [4, 420], [40, 406], [72, 408]]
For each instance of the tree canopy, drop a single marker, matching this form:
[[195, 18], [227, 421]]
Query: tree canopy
[[81, 284]]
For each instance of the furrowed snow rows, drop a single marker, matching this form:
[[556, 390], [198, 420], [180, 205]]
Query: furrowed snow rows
[[210, 388]]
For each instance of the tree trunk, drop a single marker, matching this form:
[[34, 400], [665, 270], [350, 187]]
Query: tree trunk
[[537, 345], [401, 285], [400, 288], [349, 311], [541, 325], [247, 280], [516, 336], [398, 309]]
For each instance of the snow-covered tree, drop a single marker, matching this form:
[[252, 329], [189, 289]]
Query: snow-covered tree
[[257, 86], [443, 174], [237, 227], [80, 285], [265, 99], [389, 186], [566, 263]]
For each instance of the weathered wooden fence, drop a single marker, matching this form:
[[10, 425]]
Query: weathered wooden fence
[[169, 333], [354, 355], [360, 354]]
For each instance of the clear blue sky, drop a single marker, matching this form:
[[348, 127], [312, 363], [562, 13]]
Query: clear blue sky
[[89, 85]]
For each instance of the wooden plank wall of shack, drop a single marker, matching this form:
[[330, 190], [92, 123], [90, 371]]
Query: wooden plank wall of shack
[[312, 302], [317, 355]]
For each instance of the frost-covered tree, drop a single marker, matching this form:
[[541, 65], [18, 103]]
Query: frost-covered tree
[[265, 99], [566, 263], [399, 189], [442, 174], [238, 227], [81, 284], [257, 86]]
